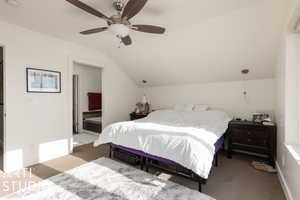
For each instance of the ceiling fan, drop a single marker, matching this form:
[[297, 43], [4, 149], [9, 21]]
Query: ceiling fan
[[119, 24]]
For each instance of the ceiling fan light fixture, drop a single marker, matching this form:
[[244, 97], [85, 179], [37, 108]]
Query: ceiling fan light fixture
[[120, 30]]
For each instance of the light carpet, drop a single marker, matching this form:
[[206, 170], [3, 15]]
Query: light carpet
[[83, 138], [106, 179]]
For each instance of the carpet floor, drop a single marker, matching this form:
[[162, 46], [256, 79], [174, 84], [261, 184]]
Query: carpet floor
[[83, 138], [234, 179], [106, 179]]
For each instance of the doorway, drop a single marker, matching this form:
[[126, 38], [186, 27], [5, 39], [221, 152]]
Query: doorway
[[1, 108], [87, 103]]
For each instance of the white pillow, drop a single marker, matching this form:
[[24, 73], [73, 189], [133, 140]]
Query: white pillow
[[179, 107], [184, 107], [199, 108], [189, 107]]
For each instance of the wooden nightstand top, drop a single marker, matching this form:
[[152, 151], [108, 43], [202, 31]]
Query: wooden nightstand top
[[134, 116], [139, 114], [248, 123]]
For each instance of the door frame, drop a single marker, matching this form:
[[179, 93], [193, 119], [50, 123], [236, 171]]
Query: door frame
[[75, 104], [4, 106], [88, 62]]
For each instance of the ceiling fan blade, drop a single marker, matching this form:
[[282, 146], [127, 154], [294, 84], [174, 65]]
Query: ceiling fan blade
[[149, 29], [132, 8], [126, 40], [95, 30], [87, 8]]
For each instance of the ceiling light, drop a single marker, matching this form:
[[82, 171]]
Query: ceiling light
[[15, 3], [120, 30]]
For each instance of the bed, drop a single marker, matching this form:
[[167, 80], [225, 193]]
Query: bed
[[187, 140]]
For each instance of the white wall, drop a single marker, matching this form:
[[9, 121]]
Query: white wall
[[227, 96], [89, 81], [287, 113], [287, 109], [39, 126], [1, 99], [292, 92]]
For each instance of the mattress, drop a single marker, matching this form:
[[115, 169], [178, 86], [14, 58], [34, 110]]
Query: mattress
[[218, 146]]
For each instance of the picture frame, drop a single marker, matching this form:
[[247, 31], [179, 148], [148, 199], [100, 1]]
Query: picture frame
[[43, 81]]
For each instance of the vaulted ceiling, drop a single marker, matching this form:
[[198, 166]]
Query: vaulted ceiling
[[206, 40]]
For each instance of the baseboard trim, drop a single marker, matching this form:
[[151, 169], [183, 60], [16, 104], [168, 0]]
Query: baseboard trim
[[284, 184]]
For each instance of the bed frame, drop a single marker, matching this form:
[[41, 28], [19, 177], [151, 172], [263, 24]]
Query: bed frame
[[145, 161]]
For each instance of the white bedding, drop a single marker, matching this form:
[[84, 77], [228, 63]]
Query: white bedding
[[187, 138]]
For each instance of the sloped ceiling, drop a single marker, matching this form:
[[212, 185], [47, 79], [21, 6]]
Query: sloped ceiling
[[206, 40]]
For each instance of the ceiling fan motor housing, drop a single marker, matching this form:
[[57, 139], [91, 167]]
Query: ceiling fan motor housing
[[118, 5]]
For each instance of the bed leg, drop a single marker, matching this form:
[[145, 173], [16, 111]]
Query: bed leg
[[110, 151], [146, 164], [216, 160], [142, 163], [200, 187]]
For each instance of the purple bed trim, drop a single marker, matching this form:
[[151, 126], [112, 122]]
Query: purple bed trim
[[218, 146]]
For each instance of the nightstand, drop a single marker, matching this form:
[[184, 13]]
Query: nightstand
[[252, 138], [135, 116]]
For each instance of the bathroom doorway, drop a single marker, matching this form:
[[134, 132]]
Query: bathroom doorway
[[87, 103]]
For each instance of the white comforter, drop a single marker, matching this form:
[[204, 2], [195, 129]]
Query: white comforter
[[187, 138]]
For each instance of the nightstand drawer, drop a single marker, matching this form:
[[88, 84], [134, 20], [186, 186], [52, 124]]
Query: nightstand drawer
[[250, 141], [249, 133], [252, 138]]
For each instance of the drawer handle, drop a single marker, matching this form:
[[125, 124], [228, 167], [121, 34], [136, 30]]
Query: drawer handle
[[249, 133], [249, 140]]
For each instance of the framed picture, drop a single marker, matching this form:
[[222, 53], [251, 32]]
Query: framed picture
[[43, 81]]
